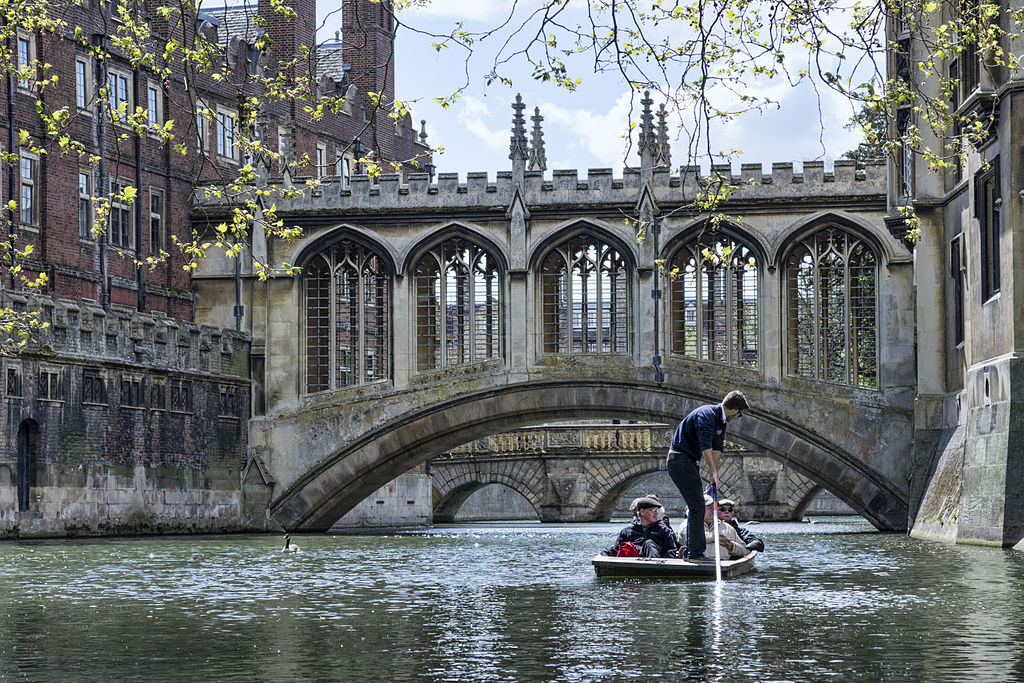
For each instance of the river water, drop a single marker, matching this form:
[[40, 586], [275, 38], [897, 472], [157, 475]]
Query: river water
[[506, 601]]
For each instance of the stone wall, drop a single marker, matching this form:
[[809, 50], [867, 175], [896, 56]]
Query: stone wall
[[120, 422], [405, 501]]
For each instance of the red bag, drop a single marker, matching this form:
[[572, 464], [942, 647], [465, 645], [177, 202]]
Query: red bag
[[628, 549]]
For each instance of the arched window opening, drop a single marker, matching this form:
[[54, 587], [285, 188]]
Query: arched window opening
[[585, 298], [347, 318], [831, 303], [715, 296], [458, 296]]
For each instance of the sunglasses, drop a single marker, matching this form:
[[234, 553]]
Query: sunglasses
[[726, 508]]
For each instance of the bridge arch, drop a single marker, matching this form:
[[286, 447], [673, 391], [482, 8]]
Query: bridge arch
[[453, 491], [360, 464]]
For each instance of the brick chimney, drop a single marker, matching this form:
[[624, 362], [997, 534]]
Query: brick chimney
[[290, 34], [368, 45]]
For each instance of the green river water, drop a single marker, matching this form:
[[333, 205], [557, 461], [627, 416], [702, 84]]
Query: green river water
[[505, 602]]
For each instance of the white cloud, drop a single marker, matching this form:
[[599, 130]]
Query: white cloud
[[469, 10], [474, 115], [600, 134]]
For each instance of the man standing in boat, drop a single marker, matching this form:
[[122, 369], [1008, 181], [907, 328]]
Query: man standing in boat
[[700, 434]]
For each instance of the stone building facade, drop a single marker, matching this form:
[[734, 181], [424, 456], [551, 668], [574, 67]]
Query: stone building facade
[[124, 416], [969, 438]]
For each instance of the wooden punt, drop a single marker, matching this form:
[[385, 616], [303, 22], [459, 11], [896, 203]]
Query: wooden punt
[[669, 568]]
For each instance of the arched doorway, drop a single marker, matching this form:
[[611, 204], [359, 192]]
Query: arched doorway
[[28, 457]]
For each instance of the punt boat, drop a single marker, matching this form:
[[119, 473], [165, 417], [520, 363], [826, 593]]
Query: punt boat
[[669, 568]]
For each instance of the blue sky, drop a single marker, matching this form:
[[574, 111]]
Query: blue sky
[[583, 129]]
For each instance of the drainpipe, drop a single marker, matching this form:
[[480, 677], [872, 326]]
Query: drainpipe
[[100, 140], [141, 302], [239, 308], [12, 225]]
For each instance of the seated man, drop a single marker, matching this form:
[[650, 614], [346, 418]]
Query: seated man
[[731, 547], [726, 511], [651, 537]]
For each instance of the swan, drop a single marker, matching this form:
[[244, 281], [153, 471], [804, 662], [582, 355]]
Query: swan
[[289, 547]]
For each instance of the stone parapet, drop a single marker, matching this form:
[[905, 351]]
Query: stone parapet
[[85, 331], [597, 187]]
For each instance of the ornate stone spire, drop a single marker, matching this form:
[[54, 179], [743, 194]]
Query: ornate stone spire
[[647, 141], [518, 149], [663, 153], [538, 162], [287, 138], [423, 132]]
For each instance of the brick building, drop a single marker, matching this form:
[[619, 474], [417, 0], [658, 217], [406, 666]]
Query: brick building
[[124, 415]]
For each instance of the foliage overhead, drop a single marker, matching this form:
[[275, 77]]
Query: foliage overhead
[[915, 68]]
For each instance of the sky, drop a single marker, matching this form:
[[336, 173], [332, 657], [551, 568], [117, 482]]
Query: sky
[[583, 129]]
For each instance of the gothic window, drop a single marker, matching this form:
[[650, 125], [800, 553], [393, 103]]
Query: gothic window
[[831, 281], [458, 313], [585, 298], [714, 300], [94, 387], [347, 317]]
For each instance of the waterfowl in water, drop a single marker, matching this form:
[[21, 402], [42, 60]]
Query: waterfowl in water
[[289, 547]]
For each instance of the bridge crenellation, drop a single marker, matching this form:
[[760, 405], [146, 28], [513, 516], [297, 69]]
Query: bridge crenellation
[[568, 186]]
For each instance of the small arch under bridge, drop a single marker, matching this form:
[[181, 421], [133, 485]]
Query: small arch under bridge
[[579, 472]]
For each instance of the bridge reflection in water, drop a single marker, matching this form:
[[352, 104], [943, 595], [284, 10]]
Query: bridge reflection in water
[[579, 472]]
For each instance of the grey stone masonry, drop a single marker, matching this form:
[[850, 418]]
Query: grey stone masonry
[[120, 422]]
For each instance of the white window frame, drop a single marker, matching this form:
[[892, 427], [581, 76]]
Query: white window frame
[[321, 160], [118, 92], [116, 185], [26, 58], [154, 103], [343, 168], [159, 217], [85, 212], [226, 136], [83, 83], [202, 128], [30, 161]]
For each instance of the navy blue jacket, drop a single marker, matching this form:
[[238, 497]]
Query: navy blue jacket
[[702, 429]]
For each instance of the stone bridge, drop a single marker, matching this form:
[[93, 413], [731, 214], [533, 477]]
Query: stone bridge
[[578, 473], [430, 314]]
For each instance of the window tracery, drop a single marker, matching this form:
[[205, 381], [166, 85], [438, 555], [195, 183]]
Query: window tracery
[[458, 306], [831, 299], [585, 298], [348, 299]]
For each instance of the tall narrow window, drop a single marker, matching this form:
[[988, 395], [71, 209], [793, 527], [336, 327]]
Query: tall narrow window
[[988, 208], [831, 305], [120, 231], [84, 204], [957, 271], [458, 294], [82, 82], [714, 302], [154, 105], [348, 299], [26, 53], [585, 298], [226, 134], [29, 167], [156, 220], [321, 161], [200, 130], [117, 95]]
